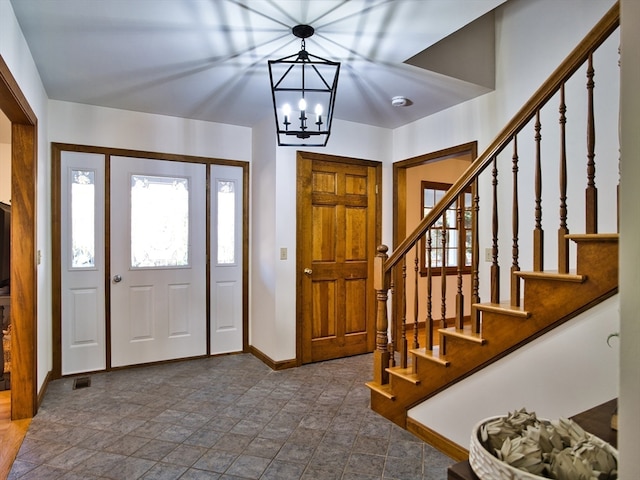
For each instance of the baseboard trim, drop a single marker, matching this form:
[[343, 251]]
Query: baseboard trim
[[272, 364], [43, 390], [437, 441]]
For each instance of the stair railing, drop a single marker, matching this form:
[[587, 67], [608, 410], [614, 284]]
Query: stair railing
[[407, 252]]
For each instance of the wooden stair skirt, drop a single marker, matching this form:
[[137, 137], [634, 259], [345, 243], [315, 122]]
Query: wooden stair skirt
[[549, 300]]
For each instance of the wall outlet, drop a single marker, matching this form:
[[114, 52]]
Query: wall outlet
[[283, 253], [488, 257]]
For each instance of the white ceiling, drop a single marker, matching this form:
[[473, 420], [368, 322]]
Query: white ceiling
[[207, 59]]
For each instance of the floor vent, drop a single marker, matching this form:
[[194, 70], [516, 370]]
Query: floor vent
[[81, 382]]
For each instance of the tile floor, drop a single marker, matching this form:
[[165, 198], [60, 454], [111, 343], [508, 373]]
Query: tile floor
[[228, 417]]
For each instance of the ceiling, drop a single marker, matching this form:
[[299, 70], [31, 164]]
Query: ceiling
[[207, 59]]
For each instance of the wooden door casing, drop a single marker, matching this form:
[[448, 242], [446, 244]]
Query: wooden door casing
[[338, 231]]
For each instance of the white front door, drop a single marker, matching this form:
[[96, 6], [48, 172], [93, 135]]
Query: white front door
[[158, 260]]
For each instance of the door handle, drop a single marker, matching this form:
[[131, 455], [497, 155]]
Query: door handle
[[117, 278], [308, 271]]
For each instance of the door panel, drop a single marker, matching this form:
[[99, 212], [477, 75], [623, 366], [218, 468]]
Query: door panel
[[227, 260], [158, 260], [82, 263], [337, 232]]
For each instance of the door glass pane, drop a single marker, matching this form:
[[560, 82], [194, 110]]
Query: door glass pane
[[83, 247], [226, 227], [159, 221]]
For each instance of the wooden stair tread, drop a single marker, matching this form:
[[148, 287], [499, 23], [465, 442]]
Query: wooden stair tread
[[384, 390], [465, 334], [504, 307], [404, 373], [431, 355], [558, 277], [593, 237]]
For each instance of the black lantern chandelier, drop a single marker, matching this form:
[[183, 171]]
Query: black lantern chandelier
[[303, 87]]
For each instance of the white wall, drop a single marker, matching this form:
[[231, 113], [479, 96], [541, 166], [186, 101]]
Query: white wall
[[629, 403], [15, 52], [263, 324], [108, 127]]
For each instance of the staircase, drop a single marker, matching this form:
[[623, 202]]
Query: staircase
[[549, 300], [540, 300]]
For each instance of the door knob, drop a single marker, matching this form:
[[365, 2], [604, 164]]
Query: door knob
[[308, 271], [117, 278]]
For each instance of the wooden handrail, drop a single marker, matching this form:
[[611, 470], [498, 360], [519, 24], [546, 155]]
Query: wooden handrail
[[567, 68]]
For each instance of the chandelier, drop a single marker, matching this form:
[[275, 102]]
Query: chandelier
[[303, 87]]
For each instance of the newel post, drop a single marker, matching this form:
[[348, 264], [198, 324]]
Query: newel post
[[381, 285]]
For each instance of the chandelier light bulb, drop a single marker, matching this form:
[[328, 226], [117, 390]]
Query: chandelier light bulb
[[286, 110], [319, 116], [302, 104]]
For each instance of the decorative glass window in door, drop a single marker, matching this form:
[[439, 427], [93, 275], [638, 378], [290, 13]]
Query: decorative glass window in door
[[83, 245], [450, 235], [226, 224], [159, 221]]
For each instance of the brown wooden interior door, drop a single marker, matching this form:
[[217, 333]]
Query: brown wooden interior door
[[337, 238]]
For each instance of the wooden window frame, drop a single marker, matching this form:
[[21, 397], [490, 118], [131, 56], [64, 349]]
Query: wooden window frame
[[459, 228]]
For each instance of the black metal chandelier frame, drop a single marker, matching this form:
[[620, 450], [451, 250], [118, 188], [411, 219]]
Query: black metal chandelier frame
[[314, 77]]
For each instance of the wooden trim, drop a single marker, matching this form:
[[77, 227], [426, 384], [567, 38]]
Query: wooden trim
[[24, 156], [245, 255], [107, 262], [56, 264], [43, 390], [121, 152], [207, 249], [437, 441], [23, 272], [272, 364], [13, 103]]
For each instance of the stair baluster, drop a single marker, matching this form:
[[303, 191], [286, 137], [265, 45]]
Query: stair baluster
[[495, 267], [475, 260], [563, 231], [459, 322], [515, 220], [416, 290], [443, 272], [403, 340], [429, 322], [538, 233], [592, 191]]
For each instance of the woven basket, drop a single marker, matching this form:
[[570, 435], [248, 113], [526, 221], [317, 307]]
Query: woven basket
[[488, 467]]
